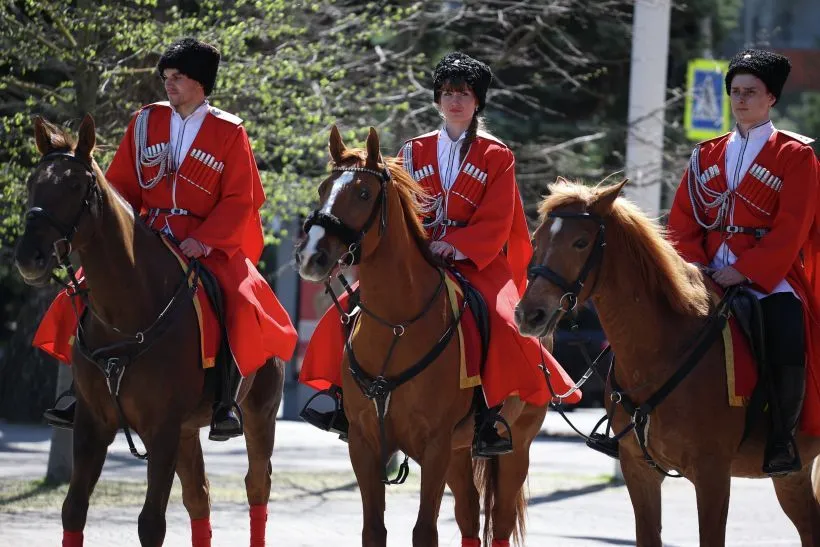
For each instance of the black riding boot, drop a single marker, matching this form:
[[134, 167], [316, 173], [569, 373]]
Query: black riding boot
[[486, 440], [226, 422], [62, 417], [331, 420], [785, 351]]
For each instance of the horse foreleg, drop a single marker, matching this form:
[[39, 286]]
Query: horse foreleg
[[712, 480], [367, 466], [195, 496], [259, 409], [644, 486], [90, 446], [162, 445], [468, 508], [797, 498], [434, 464]]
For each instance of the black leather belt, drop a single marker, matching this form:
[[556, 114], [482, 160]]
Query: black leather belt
[[757, 232], [445, 222]]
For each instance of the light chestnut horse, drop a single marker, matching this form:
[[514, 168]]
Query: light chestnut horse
[[430, 416], [652, 304]]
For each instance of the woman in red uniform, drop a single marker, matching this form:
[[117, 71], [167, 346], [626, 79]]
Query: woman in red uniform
[[477, 222], [745, 213]]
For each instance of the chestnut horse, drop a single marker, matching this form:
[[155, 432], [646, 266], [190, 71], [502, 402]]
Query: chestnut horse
[[429, 417], [132, 277], [652, 305]]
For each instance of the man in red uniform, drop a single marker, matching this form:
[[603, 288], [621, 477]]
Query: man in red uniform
[[476, 220], [745, 212], [187, 168]]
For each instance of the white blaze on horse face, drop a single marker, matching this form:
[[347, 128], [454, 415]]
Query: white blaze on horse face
[[315, 235], [344, 179], [556, 226]]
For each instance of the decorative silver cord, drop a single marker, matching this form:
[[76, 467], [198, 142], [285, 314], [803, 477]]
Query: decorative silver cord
[[148, 157]]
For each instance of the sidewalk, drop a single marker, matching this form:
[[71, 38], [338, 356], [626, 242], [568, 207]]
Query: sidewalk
[[315, 500]]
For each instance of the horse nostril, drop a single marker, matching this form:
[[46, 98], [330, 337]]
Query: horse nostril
[[320, 258], [536, 317]]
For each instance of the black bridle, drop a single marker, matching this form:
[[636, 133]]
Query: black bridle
[[572, 290], [62, 245], [350, 236]]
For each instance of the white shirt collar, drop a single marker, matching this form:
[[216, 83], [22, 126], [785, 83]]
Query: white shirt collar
[[761, 131], [443, 135], [200, 112]]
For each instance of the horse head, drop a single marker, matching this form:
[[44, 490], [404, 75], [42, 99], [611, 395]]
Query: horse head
[[569, 245], [63, 194], [351, 201]]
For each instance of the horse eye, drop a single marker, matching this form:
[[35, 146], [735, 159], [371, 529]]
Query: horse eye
[[364, 194], [581, 244]]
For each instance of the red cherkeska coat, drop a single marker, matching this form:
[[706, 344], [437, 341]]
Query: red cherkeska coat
[[218, 185], [496, 242], [784, 201]]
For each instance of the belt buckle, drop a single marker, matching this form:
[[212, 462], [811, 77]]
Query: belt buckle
[[732, 229]]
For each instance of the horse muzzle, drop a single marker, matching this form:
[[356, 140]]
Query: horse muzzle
[[534, 321]]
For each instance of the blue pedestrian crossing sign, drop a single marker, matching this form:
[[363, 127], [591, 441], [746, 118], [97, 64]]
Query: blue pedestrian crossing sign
[[707, 112]]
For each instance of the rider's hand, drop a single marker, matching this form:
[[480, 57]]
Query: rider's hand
[[443, 250], [192, 248], [728, 276]]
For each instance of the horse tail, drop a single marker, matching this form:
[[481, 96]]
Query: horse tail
[[485, 472]]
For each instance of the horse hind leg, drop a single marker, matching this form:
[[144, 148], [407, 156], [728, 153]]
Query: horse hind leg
[[467, 503], [91, 442], [799, 500], [259, 411], [162, 446], [195, 489], [502, 479]]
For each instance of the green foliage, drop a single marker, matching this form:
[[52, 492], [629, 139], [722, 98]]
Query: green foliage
[[290, 69]]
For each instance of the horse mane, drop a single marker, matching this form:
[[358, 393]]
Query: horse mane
[[414, 200], [631, 233]]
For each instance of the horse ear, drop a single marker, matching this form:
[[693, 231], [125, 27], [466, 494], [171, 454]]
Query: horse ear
[[336, 145], [374, 154], [606, 197], [42, 135], [561, 180], [87, 138]]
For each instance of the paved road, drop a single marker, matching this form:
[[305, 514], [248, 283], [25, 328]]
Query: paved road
[[573, 503]]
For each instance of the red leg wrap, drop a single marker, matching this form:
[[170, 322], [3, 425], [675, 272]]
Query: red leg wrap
[[501, 543], [201, 532], [470, 542], [72, 539], [259, 517]]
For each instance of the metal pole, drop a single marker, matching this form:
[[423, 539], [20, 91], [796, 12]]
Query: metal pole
[[287, 290], [647, 94]]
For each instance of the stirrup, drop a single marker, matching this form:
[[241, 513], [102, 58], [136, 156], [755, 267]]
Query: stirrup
[[603, 444], [62, 418], [224, 435], [336, 422], [503, 446]]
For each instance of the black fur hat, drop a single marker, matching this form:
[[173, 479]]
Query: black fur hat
[[197, 60], [457, 68], [770, 67]]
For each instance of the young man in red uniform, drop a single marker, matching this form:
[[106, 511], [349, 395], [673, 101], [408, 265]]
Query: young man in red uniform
[[188, 170], [478, 222], [745, 212]]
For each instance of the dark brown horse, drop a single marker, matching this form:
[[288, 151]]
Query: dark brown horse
[[132, 277], [652, 305], [429, 417]]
